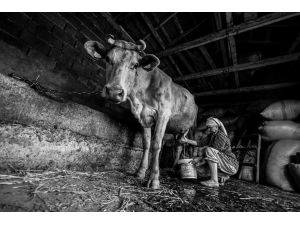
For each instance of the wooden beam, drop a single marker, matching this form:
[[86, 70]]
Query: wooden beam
[[181, 57], [160, 25], [295, 44], [219, 26], [207, 57], [178, 25], [180, 37], [124, 16], [161, 43], [227, 104], [243, 66], [237, 29], [167, 61], [232, 47], [116, 26], [249, 16], [248, 89], [153, 31]]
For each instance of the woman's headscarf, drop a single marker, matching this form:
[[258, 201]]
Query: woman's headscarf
[[211, 121]]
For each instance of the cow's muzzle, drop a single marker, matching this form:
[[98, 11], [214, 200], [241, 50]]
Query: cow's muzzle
[[114, 93]]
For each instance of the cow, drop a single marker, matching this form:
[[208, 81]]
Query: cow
[[155, 101]]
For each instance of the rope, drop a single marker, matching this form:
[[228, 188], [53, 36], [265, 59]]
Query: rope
[[38, 87]]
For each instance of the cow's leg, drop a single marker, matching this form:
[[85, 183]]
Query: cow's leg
[[144, 163], [159, 132]]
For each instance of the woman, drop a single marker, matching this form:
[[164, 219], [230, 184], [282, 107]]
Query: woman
[[217, 152]]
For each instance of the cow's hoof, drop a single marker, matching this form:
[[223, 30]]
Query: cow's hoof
[[154, 184], [141, 174]]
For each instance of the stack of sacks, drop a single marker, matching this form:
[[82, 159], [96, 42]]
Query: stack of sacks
[[286, 136]]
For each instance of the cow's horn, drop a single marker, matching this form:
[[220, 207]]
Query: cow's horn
[[111, 39], [141, 47]]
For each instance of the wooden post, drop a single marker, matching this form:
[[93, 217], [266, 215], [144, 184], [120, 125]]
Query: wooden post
[[237, 29], [258, 159], [219, 26], [232, 47]]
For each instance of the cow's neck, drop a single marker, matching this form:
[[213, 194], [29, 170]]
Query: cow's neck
[[145, 113]]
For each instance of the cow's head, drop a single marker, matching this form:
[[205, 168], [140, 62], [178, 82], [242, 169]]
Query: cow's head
[[125, 59]]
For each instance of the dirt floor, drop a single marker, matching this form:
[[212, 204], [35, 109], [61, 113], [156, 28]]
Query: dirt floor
[[117, 191]]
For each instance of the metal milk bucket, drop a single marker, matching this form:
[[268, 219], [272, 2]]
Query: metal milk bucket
[[187, 169]]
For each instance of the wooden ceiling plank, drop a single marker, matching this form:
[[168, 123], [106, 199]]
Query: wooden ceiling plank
[[243, 66], [248, 89], [232, 47], [225, 33]]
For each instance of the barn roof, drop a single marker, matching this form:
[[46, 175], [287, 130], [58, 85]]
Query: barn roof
[[221, 57]]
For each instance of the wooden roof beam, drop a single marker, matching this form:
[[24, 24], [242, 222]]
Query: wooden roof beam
[[219, 26], [168, 63], [295, 44], [124, 16], [243, 66], [225, 33], [180, 37], [183, 59], [160, 25], [161, 43], [178, 25], [232, 47], [249, 16], [116, 26], [248, 89]]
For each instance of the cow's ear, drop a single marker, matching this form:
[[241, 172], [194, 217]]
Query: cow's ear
[[149, 62], [95, 49]]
